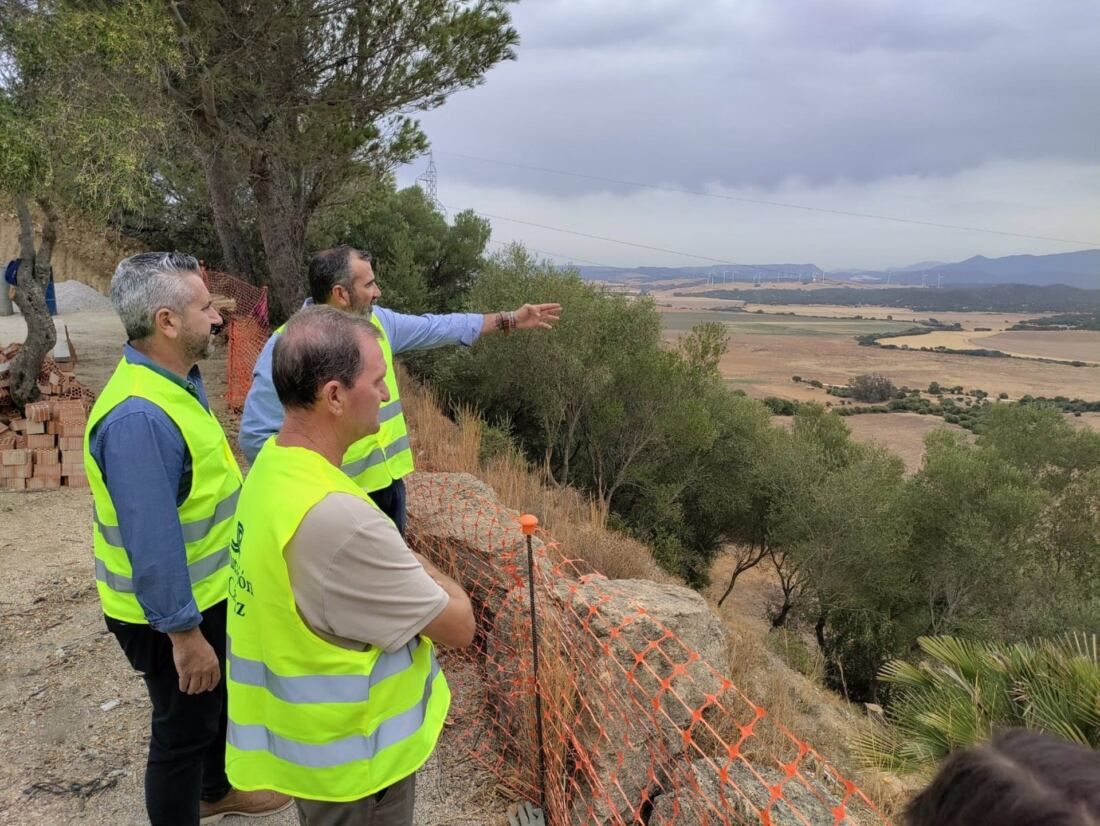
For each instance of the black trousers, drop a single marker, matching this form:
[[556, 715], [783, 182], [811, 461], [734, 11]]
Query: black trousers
[[187, 746], [391, 501]]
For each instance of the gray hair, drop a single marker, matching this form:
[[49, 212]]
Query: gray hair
[[147, 282], [320, 344]]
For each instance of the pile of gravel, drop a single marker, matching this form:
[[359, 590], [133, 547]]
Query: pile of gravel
[[73, 296]]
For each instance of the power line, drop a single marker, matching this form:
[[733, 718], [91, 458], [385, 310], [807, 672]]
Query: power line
[[761, 201], [556, 254], [722, 261]]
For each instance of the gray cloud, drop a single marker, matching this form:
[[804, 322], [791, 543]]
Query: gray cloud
[[754, 92], [861, 105]]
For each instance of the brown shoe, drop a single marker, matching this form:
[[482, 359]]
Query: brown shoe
[[244, 804]]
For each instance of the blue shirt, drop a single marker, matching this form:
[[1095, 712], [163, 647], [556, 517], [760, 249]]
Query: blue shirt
[[146, 467], [263, 413]]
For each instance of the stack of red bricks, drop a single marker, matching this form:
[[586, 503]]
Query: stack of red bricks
[[56, 378], [45, 450]]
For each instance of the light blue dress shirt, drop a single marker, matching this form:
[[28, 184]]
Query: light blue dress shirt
[[263, 414]]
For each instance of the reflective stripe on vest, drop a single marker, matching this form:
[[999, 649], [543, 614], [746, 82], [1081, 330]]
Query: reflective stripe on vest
[[346, 750], [205, 515], [307, 717], [375, 461]]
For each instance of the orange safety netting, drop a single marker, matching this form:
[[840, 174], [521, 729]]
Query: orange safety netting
[[641, 723], [245, 315]]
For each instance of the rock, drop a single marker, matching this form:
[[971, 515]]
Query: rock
[[457, 521], [651, 657], [110, 705], [703, 798]]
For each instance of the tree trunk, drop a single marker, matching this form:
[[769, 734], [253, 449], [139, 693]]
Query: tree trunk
[[221, 185], [282, 217], [747, 560], [30, 293], [780, 619]]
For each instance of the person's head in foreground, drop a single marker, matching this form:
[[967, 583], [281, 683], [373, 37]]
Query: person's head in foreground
[[1020, 778], [328, 368]]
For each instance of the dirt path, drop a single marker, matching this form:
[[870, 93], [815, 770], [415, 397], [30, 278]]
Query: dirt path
[[73, 715]]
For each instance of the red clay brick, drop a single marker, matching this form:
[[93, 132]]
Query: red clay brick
[[72, 457], [19, 425], [44, 483], [24, 471], [13, 484], [34, 428], [41, 440], [47, 456], [38, 411], [71, 442], [71, 428], [14, 456], [75, 481], [71, 470]]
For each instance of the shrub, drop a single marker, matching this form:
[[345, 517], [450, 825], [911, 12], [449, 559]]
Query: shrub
[[781, 407], [964, 690], [871, 387]]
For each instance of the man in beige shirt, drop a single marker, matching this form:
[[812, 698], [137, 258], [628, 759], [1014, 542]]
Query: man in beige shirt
[[354, 581]]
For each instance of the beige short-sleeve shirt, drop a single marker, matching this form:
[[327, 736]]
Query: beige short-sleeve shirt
[[355, 581]]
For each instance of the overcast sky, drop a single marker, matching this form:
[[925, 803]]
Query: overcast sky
[[981, 113]]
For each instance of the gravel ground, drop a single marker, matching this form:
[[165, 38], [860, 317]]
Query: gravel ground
[[73, 297]]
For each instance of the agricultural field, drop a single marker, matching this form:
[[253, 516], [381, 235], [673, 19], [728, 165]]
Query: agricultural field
[[770, 324], [767, 350], [1060, 345]]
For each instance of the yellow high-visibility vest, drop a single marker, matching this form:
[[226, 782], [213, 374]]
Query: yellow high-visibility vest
[[205, 515], [307, 717]]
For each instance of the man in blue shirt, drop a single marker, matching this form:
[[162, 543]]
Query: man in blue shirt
[[147, 474], [343, 277]]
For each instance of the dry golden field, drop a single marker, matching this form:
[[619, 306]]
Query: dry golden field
[[766, 350]]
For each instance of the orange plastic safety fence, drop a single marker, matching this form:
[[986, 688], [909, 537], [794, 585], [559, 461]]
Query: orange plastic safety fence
[[244, 309], [642, 723]]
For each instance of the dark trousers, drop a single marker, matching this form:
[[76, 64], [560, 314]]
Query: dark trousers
[[391, 501], [393, 806], [187, 746]]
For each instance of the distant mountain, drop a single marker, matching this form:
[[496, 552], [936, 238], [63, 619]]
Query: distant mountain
[[731, 273], [1074, 269], [920, 265]]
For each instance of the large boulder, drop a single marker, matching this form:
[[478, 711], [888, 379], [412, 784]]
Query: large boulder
[[747, 792], [649, 664]]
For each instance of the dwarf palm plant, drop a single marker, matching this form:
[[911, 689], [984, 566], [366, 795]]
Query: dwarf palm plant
[[964, 690]]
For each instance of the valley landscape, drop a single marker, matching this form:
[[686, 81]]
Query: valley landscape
[[771, 343]]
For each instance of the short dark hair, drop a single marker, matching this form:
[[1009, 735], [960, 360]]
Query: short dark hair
[[331, 267], [320, 344], [1021, 778]]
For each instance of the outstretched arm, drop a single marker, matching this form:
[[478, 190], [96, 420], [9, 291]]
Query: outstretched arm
[[527, 317], [424, 332]]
